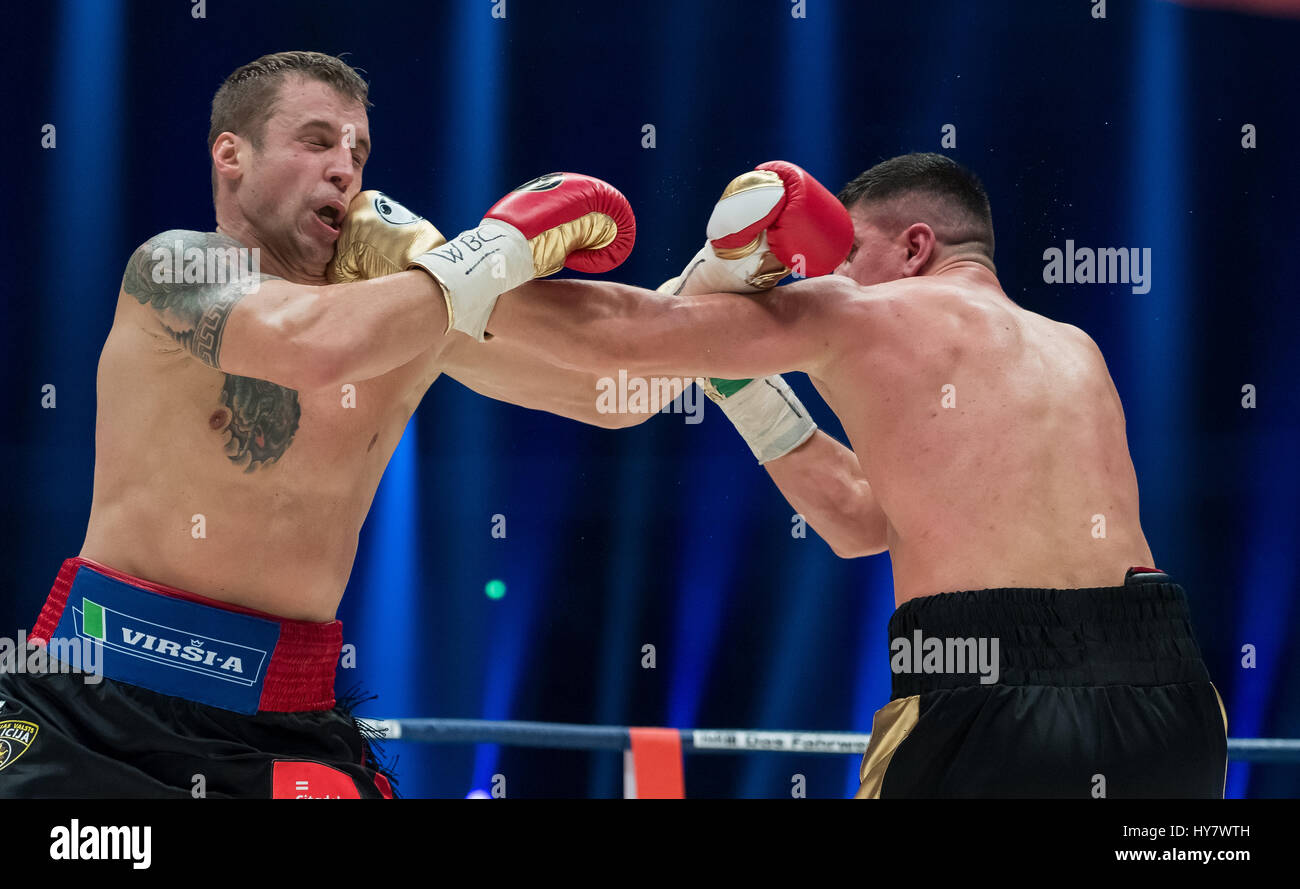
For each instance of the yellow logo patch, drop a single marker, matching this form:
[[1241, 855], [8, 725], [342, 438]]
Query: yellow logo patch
[[16, 735]]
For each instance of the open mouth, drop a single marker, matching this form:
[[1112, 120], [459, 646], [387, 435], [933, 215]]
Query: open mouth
[[331, 216]]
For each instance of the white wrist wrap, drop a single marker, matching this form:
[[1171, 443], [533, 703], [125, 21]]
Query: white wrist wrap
[[769, 416], [476, 267], [707, 273]]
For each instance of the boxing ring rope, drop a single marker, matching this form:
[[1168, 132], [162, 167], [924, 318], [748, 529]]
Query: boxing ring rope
[[569, 736], [658, 748]]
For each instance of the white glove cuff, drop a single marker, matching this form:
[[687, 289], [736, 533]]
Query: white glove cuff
[[476, 267]]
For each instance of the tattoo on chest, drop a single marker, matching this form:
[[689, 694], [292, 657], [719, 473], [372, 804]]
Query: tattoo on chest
[[193, 300], [263, 420]]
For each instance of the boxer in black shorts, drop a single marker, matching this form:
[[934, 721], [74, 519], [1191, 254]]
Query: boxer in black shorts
[[987, 451], [1099, 693]]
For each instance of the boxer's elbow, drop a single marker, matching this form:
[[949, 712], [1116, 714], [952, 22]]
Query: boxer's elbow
[[604, 409], [846, 534], [856, 548], [864, 528], [623, 419], [855, 541], [614, 421], [844, 547]]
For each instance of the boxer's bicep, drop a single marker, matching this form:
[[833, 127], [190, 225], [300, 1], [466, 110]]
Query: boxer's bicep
[[208, 296]]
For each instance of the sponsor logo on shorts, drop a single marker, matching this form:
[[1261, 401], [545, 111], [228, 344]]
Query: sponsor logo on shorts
[[947, 655], [310, 780], [16, 735], [172, 647]]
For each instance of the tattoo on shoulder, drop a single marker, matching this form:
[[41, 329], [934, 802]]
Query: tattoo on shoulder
[[193, 280]]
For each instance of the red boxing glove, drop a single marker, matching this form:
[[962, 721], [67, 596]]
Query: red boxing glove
[[570, 220], [561, 219], [813, 223], [803, 220]]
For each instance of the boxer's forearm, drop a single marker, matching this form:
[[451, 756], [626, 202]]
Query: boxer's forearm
[[505, 372], [595, 325], [582, 325], [822, 480]]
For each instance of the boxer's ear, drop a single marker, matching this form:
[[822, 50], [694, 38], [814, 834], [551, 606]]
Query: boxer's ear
[[920, 242], [227, 156]]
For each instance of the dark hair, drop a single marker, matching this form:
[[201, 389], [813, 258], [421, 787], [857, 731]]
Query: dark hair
[[934, 175], [247, 98]]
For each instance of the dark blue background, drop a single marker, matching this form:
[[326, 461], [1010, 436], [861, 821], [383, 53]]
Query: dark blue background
[[1117, 132]]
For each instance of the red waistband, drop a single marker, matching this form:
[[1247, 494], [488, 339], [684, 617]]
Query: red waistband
[[300, 675]]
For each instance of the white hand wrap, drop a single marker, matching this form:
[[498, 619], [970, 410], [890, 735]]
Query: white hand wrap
[[709, 273], [768, 415]]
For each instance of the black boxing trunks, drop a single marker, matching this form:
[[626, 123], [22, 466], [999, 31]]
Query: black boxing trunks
[[1036, 693], [133, 689]]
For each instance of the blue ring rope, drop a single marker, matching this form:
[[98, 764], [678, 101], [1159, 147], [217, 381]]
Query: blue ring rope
[[615, 737]]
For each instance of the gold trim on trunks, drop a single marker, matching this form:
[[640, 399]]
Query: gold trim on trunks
[[891, 724]]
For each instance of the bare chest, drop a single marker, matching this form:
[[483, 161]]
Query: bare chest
[[260, 424]]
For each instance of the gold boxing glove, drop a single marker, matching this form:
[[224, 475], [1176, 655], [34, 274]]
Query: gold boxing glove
[[379, 237]]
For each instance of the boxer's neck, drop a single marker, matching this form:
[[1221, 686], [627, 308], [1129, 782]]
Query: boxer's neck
[[273, 262], [959, 261]]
